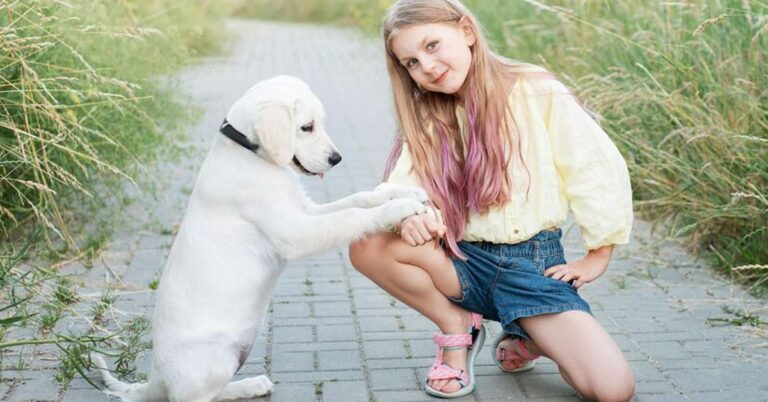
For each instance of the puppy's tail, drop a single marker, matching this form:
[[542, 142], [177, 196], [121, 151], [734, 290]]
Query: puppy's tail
[[138, 392]]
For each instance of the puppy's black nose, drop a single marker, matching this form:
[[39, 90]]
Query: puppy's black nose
[[334, 159]]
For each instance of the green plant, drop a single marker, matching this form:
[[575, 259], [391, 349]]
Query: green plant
[[65, 293], [48, 320], [132, 344], [93, 247], [738, 317], [364, 14], [103, 305]]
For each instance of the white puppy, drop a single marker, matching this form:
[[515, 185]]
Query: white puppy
[[247, 216]]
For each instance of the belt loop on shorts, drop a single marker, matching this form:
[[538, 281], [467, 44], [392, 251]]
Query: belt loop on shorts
[[552, 245], [537, 257]]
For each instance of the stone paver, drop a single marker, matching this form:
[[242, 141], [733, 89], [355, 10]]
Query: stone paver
[[332, 335]]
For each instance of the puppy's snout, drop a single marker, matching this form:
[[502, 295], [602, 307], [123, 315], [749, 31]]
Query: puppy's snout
[[334, 159]]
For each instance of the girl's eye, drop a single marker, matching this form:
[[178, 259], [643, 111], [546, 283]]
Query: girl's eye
[[307, 128], [410, 63], [432, 45]]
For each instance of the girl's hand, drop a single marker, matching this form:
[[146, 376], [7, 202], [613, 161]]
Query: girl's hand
[[582, 271], [419, 229]]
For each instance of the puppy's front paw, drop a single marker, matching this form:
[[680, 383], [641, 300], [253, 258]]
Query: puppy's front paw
[[401, 208], [418, 194], [404, 191]]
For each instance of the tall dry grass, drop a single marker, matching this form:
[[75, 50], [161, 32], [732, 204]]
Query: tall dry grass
[[80, 101], [364, 14], [84, 108]]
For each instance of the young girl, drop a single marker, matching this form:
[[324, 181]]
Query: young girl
[[503, 149]]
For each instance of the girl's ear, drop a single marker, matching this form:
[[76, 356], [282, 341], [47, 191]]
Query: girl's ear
[[466, 28]]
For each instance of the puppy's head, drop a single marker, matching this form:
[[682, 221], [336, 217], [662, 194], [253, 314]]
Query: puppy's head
[[287, 121]]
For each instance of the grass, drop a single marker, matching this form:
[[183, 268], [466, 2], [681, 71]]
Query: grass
[[103, 305], [84, 110], [681, 88], [364, 14]]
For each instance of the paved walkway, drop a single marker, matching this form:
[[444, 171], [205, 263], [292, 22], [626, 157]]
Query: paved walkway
[[332, 335]]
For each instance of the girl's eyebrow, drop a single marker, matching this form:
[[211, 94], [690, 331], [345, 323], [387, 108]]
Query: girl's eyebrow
[[423, 41]]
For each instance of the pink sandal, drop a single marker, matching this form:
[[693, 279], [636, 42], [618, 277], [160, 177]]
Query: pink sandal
[[473, 340], [499, 355]]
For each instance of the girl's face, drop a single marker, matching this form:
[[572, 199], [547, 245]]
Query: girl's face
[[437, 56]]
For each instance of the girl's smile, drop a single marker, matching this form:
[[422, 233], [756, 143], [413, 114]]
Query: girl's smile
[[442, 77]]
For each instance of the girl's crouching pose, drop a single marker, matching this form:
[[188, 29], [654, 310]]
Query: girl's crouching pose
[[505, 151]]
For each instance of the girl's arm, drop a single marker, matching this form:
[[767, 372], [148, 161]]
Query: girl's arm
[[595, 179]]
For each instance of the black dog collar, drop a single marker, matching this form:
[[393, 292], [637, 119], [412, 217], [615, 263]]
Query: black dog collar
[[237, 136]]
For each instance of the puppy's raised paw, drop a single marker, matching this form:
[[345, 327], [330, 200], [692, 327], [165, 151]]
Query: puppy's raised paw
[[395, 191], [419, 194], [397, 210]]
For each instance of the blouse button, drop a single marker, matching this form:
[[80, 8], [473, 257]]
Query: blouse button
[[517, 231]]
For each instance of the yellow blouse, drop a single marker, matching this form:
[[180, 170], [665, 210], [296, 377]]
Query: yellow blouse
[[572, 164]]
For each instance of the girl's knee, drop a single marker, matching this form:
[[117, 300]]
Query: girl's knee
[[619, 386], [365, 251]]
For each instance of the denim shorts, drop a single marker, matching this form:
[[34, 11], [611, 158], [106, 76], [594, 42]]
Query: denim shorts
[[504, 282]]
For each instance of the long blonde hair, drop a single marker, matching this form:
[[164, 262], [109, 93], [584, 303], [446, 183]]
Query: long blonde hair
[[459, 175]]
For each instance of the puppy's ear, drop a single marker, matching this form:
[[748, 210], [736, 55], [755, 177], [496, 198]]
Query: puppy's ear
[[275, 130]]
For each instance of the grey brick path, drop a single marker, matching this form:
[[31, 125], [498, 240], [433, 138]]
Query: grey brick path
[[332, 335]]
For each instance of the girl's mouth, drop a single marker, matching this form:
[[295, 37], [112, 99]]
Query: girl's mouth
[[441, 78]]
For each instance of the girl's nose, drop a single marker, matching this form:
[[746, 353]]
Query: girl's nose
[[428, 65]]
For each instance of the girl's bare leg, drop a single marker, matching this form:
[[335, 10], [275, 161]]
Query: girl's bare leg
[[420, 277], [588, 359]]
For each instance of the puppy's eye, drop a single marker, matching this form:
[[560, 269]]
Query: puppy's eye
[[307, 128]]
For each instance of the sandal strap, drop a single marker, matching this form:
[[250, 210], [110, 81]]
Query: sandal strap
[[443, 371], [477, 320], [447, 340], [440, 370], [503, 354], [522, 351]]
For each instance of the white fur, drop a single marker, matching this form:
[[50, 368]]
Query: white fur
[[247, 216]]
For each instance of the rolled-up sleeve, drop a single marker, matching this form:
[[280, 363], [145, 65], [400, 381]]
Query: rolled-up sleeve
[[593, 172]]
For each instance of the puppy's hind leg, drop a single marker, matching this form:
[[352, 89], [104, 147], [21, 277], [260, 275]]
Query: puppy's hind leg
[[200, 373], [248, 388]]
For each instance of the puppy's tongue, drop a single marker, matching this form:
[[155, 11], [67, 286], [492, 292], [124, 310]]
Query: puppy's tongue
[[321, 175]]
